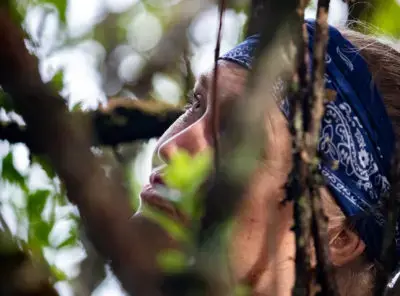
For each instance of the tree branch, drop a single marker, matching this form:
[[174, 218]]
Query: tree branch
[[297, 188], [391, 211], [128, 121], [103, 201], [214, 122], [319, 222]]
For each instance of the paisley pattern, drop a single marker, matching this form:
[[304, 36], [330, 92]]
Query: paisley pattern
[[243, 54], [342, 144], [357, 139]]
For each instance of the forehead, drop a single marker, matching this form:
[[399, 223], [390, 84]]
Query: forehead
[[231, 79]]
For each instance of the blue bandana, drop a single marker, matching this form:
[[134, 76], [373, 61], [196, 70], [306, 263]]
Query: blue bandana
[[357, 139]]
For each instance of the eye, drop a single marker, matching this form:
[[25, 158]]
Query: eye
[[195, 102]]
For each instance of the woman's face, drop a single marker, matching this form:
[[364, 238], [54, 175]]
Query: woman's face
[[262, 244]]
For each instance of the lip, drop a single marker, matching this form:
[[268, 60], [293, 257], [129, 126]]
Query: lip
[[156, 178], [151, 197]]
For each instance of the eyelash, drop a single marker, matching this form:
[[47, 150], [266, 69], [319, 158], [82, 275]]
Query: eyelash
[[193, 102]]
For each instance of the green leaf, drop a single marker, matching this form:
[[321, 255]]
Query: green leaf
[[69, 242], [39, 232], [172, 260], [60, 5], [186, 174], [242, 290], [386, 17], [58, 81], [46, 166], [58, 274], [174, 229], [77, 107], [10, 174], [36, 204], [18, 11]]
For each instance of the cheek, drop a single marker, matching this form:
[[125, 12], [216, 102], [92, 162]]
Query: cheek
[[262, 226], [278, 146]]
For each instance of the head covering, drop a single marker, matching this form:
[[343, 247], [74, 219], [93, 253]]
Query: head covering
[[356, 141]]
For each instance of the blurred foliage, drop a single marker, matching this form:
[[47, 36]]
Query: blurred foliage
[[183, 176], [59, 5], [116, 45], [386, 17], [10, 174], [172, 261]]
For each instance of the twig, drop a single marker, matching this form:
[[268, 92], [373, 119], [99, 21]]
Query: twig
[[214, 125], [391, 210], [324, 274], [246, 126], [297, 188], [244, 138]]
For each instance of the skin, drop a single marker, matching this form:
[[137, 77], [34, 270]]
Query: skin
[[263, 246]]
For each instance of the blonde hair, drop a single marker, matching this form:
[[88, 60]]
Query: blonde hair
[[384, 63]]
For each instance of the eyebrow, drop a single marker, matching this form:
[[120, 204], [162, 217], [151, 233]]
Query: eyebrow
[[201, 83]]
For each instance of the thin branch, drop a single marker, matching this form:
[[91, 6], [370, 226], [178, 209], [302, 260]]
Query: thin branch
[[297, 188], [324, 274], [244, 140], [244, 137], [392, 212], [214, 124], [242, 122]]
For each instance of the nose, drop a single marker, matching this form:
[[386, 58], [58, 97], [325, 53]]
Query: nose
[[194, 139]]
